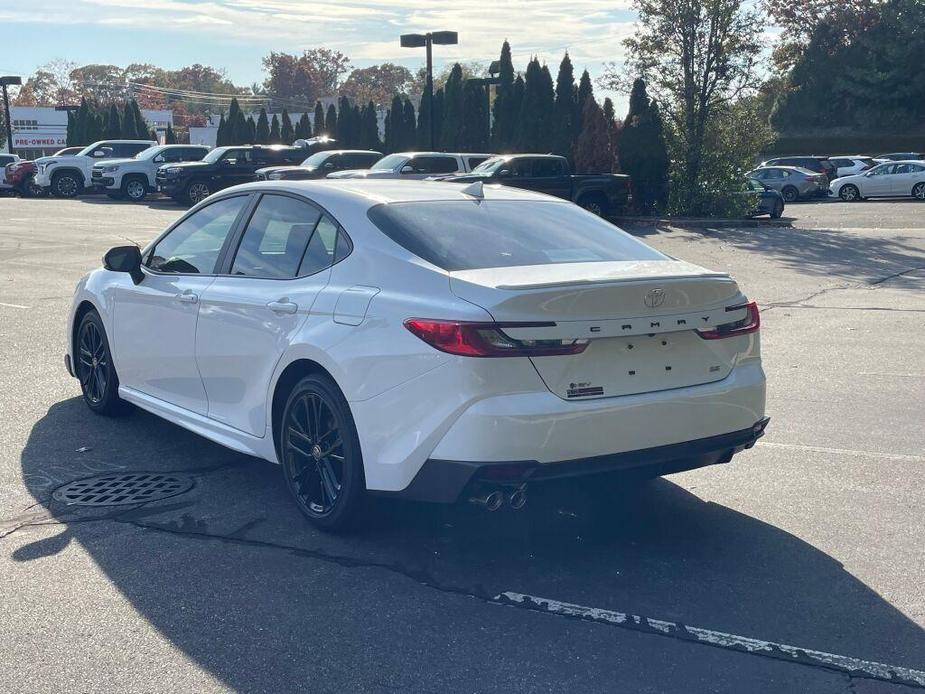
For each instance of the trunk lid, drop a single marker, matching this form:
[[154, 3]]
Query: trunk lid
[[640, 318]]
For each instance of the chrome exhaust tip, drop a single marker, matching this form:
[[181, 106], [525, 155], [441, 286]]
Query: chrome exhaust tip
[[518, 499], [490, 502]]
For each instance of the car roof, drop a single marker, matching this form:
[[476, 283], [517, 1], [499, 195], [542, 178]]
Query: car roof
[[369, 192], [787, 167]]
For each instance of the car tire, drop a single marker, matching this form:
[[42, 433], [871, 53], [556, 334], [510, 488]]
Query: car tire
[[30, 189], [790, 194], [319, 450], [595, 205], [778, 210], [849, 193], [93, 367], [197, 191], [66, 185], [918, 191], [135, 188]]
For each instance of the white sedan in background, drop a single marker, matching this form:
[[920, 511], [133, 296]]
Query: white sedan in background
[[893, 179], [430, 341]]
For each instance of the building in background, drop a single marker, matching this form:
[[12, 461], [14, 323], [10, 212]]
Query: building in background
[[41, 130]]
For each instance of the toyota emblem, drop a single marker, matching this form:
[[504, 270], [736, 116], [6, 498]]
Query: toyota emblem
[[654, 298]]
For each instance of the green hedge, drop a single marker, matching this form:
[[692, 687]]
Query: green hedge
[[870, 144]]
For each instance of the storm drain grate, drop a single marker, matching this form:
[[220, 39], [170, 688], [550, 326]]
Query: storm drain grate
[[115, 489]]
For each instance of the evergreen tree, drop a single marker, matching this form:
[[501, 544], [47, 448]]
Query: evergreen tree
[[453, 110], [643, 154], [129, 130], [170, 137], [613, 130], [505, 111], [275, 136], [592, 149], [251, 130], [346, 137], [81, 119], [112, 130], [475, 130], [439, 100], [585, 92], [537, 117], [262, 132], [285, 129], [71, 129], [566, 133], [408, 126], [370, 128], [221, 135], [517, 100], [141, 125], [393, 125], [330, 123], [318, 128], [303, 129], [94, 127]]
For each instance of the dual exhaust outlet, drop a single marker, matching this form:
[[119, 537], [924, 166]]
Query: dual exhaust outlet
[[516, 498]]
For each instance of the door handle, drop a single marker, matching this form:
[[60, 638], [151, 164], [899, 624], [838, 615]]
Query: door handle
[[283, 306], [188, 298]]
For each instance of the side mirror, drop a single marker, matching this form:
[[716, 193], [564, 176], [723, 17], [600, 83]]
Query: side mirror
[[504, 173], [159, 159], [407, 169], [125, 259], [98, 153], [328, 165]]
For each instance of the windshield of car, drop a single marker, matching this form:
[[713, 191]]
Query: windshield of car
[[215, 155], [489, 165], [389, 162], [315, 160], [150, 153], [463, 235]]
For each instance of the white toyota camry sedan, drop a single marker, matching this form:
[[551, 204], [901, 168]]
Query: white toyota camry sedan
[[431, 341]]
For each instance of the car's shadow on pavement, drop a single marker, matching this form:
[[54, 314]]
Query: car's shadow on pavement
[[233, 576], [158, 202]]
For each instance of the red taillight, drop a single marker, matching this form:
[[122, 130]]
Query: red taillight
[[749, 324], [469, 339]]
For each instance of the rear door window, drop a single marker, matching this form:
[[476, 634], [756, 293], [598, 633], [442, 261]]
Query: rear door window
[[463, 235], [547, 168], [434, 165], [276, 238]]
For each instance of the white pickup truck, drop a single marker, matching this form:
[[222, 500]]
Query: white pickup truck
[[66, 177], [133, 178], [416, 165]]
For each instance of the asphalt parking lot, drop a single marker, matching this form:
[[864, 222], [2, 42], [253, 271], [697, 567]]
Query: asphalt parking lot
[[813, 539]]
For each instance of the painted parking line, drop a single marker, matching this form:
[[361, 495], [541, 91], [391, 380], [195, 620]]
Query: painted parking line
[[900, 457], [854, 667], [12, 305]]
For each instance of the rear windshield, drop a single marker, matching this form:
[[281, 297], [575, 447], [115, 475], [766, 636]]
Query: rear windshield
[[462, 235]]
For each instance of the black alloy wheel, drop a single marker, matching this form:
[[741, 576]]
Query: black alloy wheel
[[918, 191], [790, 194], [197, 191], [320, 454], [66, 185], [94, 368], [778, 210]]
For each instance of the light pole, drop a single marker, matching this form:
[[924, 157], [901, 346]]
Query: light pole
[[441, 38], [4, 81]]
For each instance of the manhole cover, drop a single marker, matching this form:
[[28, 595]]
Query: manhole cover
[[122, 488]]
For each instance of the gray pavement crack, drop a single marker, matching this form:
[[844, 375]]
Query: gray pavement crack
[[801, 301], [132, 517]]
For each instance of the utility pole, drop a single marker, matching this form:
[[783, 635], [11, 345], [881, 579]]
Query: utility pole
[[5, 81], [441, 38]]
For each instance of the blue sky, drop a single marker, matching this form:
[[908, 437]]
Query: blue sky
[[236, 34]]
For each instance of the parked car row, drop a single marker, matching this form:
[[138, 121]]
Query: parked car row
[[132, 169]]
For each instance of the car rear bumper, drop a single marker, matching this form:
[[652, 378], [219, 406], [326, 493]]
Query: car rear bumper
[[536, 426], [444, 481]]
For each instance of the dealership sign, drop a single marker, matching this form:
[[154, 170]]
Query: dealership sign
[[38, 139]]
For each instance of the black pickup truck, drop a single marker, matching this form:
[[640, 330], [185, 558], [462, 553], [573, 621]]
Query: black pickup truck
[[603, 194], [193, 181]]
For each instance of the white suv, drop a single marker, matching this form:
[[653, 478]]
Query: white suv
[[416, 165], [67, 177], [134, 178]]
